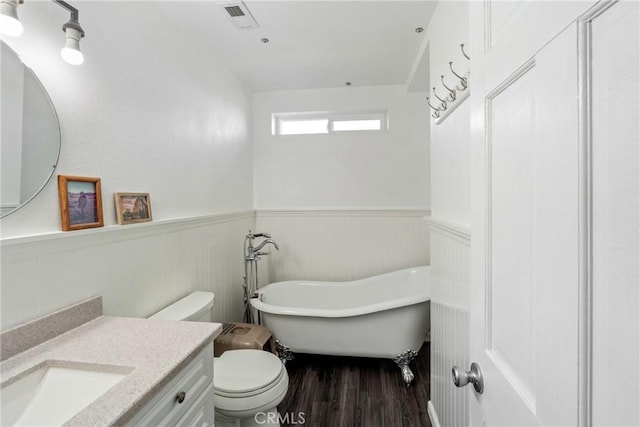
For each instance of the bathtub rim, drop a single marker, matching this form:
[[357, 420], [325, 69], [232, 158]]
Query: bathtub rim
[[261, 306], [341, 313]]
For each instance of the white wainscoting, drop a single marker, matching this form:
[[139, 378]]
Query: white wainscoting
[[138, 269], [343, 244], [450, 251]]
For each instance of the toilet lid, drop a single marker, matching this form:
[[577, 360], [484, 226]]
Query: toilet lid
[[243, 371]]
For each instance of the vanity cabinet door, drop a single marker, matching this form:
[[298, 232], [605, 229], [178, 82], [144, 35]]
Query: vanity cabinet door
[[201, 413], [192, 386]]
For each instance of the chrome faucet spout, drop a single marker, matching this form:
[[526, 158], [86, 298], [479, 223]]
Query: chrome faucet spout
[[266, 242]]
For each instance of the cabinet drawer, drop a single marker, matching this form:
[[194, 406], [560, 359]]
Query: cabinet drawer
[[201, 414], [165, 409]]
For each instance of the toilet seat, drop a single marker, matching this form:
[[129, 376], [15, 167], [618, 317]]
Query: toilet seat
[[246, 381], [246, 372]]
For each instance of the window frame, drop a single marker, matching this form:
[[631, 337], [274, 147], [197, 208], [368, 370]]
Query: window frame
[[331, 117]]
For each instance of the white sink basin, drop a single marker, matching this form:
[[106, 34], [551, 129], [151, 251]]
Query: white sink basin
[[52, 395]]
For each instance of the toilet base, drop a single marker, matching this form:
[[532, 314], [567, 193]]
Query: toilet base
[[265, 418]]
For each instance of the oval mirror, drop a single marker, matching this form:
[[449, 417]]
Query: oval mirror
[[30, 134]]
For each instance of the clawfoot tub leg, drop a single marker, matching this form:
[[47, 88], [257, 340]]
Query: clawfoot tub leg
[[284, 353], [403, 360]]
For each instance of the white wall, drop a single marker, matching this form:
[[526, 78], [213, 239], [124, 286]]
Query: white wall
[[381, 170], [343, 206], [343, 244], [149, 112], [450, 153], [451, 216], [449, 320], [138, 269]]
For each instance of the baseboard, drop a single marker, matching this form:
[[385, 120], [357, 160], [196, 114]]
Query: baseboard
[[433, 416]]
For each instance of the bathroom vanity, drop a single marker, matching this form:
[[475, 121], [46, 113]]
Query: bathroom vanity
[[107, 370], [187, 400]]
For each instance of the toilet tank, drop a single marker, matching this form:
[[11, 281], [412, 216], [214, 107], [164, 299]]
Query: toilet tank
[[195, 307]]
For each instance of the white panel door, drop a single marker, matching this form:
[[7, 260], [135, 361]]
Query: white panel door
[[527, 213], [525, 321], [555, 216]]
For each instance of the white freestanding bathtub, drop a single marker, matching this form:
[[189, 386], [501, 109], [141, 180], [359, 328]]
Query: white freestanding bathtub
[[384, 316]]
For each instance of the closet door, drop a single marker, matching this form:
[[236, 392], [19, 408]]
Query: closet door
[[529, 214]]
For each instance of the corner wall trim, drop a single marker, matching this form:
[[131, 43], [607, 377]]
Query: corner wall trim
[[433, 416], [459, 231]]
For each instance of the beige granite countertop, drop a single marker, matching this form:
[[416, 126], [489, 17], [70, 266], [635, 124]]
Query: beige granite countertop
[[154, 351]]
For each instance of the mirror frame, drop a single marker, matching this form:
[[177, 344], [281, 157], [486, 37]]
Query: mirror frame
[[55, 113]]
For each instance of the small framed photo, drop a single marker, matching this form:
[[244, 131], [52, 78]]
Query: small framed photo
[[80, 202], [133, 207]]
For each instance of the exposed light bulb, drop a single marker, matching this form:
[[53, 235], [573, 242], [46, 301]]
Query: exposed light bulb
[[71, 50], [10, 25]]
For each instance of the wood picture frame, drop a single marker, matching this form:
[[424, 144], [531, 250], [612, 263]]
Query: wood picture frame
[[80, 202], [132, 208]]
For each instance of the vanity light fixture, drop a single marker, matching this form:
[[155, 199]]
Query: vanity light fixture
[[71, 51], [10, 25]]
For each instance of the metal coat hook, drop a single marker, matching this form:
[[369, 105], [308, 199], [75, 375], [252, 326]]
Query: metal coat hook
[[462, 49], [452, 93], [436, 112], [444, 101], [463, 80]]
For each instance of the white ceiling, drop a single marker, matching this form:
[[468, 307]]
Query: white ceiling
[[313, 44]]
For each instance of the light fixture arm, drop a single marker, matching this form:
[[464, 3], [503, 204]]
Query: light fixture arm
[[73, 21], [64, 4]]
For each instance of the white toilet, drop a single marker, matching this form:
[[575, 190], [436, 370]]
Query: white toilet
[[248, 384]]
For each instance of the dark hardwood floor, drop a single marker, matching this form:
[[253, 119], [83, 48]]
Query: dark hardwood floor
[[331, 391]]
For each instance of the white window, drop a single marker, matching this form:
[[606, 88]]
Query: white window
[[328, 122], [304, 126]]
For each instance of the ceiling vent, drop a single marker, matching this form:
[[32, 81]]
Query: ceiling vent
[[239, 14]]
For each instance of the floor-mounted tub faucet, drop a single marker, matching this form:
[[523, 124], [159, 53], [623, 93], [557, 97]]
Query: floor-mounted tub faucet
[[251, 257]]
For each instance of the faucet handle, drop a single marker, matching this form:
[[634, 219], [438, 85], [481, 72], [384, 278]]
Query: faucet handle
[[267, 235]]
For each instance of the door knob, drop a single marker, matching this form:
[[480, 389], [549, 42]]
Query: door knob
[[473, 376]]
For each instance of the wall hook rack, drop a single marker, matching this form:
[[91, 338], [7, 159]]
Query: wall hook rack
[[436, 111], [443, 101], [463, 80], [455, 95], [452, 93]]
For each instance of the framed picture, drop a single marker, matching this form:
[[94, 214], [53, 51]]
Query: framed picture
[[80, 202], [133, 207]]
